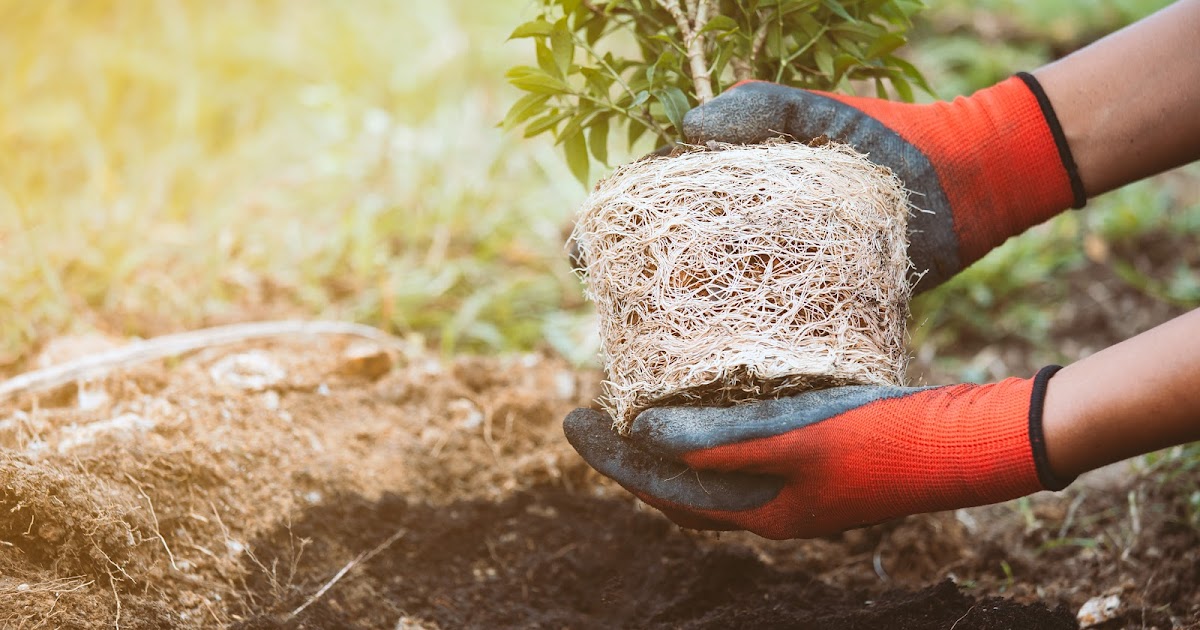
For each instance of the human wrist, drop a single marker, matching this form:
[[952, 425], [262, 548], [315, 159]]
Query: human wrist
[[1059, 472], [1127, 101], [1016, 170], [1132, 398]]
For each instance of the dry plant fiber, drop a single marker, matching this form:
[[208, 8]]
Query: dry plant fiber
[[740, 273]]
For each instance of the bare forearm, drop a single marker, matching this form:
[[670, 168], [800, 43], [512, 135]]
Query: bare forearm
[[1138, 396], [1129, 104]]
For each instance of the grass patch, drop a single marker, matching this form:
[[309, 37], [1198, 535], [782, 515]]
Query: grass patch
[[1017, 291], [168, 165]]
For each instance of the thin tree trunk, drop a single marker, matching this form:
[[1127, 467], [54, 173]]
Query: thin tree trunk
[[690, 25]]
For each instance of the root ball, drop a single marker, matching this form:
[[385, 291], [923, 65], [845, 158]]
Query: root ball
[[742, 273]]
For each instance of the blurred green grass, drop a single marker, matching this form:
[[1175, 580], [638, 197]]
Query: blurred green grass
[[169, 164], [964, 45], [1138, 243]]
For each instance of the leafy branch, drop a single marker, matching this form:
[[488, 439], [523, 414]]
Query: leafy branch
[[640, 65]]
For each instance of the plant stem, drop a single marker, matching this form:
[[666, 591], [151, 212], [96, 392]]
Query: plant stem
[[783, 63], [628, 113], [760, 38], [648, 121], [689, 31], [743, 68]]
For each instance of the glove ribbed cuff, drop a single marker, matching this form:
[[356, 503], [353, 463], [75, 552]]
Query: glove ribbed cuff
[[1037, 437], [1060, 140]]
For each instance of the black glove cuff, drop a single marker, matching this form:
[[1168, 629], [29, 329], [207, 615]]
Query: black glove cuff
[[1060, 139], [1037, 437]]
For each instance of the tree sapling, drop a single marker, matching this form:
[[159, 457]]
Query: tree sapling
[[724, 274]]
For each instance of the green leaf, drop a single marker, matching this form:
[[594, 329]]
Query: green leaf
[[598, 82], [637, 85], [675, 104], [525, 108], [724, 52], [775, 42], [810, 25], [666, 39], [905, 67], [563, 46], [598, 138], [667, 61], [545, 123], [546, 60], [578, 15], [720, 24], [908, 7], [536, 28], [640, 99], [575, 148], [885, 44], [595, 29], [880, 90], [841, 64], [902, 87], [576, 124], [789, 7], [824, 59], [670, 60], [634, 133], [860, 31], [539, 82], [836, 7], [620, 64], [911, 72]]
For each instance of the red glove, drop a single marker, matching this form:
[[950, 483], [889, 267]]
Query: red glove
[[982, 168], [829, 460]]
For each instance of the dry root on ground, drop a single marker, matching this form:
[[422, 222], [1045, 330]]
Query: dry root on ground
[[134, 498]]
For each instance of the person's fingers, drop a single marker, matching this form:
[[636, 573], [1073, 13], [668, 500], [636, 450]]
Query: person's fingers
[[689, 519], [663, 478], [746, 114], [676, 431]]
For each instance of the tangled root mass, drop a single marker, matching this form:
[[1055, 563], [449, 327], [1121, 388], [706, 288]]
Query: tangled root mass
[[730, 275]]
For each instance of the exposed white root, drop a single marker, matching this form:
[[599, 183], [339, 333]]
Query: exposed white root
[[174, 345], [722, 276]]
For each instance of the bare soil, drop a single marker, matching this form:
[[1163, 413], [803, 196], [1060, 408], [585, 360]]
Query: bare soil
[[550, 558], [233, 486]]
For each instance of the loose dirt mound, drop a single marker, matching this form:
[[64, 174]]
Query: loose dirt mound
[[229, 486], [145, 488]]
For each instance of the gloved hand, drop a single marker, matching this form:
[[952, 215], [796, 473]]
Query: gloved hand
[[830, 460], [981, 168]]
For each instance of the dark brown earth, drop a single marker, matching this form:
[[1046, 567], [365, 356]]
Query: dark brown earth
[[172, 496], [548, 558]]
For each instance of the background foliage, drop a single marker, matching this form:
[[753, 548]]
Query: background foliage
[[172, 164], [634, 67]]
